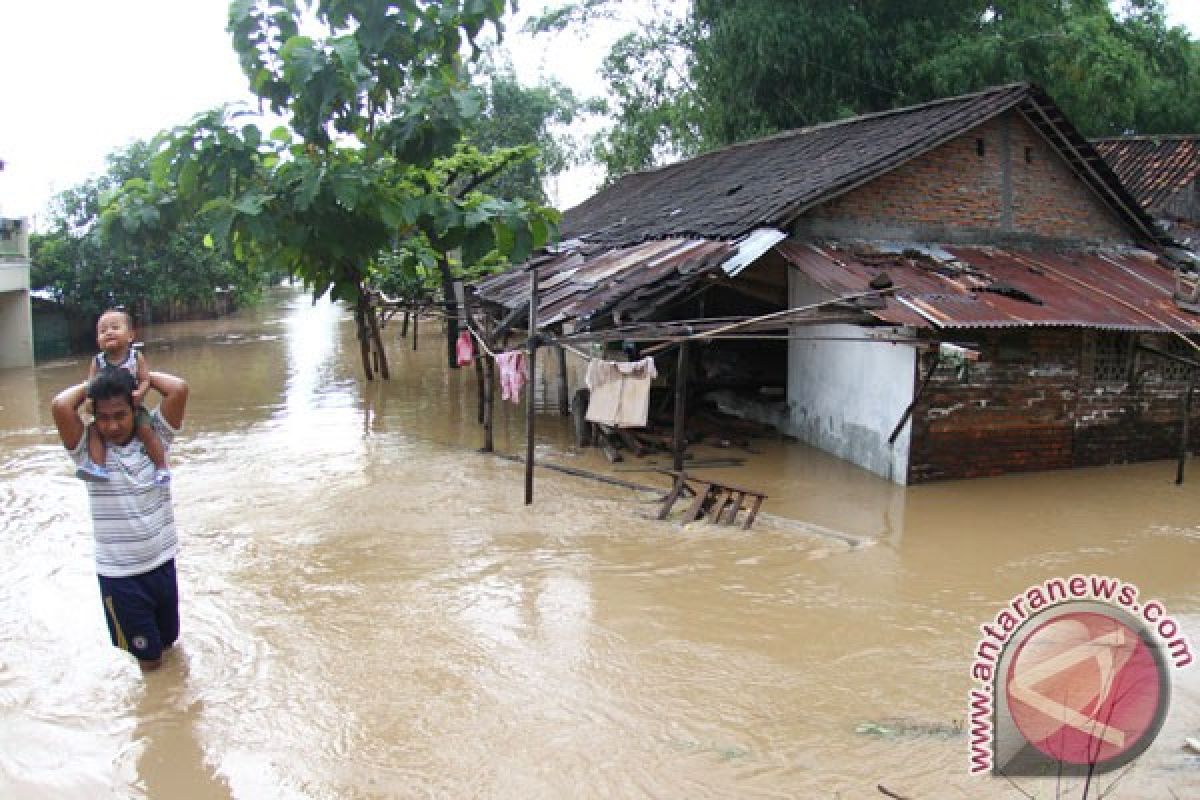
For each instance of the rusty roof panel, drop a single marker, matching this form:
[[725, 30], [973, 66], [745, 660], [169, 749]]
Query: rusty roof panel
[[579, 285], [1153, 168], [983, 287]]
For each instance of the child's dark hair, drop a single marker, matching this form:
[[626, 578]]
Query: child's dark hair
[[112, 382], [117, 310]]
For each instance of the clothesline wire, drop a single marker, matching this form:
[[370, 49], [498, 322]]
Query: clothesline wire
[[478, 338], [668, 342], [575, 350], [765, 317]]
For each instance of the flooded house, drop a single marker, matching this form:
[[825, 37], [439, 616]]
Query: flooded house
[[956, 289], [1163, 173]]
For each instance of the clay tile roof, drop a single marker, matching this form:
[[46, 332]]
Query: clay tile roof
[[768, 182], [1153, 168]]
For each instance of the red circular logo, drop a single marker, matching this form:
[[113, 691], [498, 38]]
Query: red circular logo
[[1084, 688]]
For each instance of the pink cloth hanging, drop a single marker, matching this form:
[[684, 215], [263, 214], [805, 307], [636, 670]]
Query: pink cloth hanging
[[464, 349], [513, 373]]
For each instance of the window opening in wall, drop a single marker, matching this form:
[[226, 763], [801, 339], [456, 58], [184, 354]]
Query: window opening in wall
[[1173, 371], [1108, 356], [979, 147], [1028, 155]]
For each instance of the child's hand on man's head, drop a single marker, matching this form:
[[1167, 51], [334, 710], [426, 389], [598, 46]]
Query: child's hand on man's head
[[138, 396]]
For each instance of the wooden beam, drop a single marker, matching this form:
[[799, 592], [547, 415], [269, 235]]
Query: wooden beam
[[606, 446], [583, 428], [1185, 426], [583, 473], [678, 443], [564, 404]]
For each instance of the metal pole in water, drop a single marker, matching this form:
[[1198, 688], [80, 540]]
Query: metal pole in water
[[532, 363], [1185, 425]]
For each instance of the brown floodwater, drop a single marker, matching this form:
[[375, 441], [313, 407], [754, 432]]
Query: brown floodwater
[[370, 610]]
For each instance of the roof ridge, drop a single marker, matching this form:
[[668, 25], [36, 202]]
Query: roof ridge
[[820, 126], [1147, 137]]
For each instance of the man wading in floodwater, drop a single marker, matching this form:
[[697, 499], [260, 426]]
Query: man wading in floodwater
[[132, 520]]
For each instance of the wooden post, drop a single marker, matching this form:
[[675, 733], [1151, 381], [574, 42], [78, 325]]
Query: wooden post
[[416, 324], [404, 326], [489, 400], [564, 402], [489, 385], [532, 364], [1185, 426], [582, 428], [678, 444], [479, 379], [468, 316]]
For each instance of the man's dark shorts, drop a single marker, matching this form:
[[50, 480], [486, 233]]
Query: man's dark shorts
[[142, 611]]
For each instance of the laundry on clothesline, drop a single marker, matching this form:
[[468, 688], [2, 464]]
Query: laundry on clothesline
[[464, 349], [620, 392], [514, 371]]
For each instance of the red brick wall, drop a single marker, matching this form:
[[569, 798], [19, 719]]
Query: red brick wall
[[953, 187], [1031, 403]]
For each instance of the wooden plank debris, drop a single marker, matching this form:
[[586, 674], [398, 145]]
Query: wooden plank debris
[[721, 502]]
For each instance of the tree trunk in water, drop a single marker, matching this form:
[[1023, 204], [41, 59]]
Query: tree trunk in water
[[361, 330], [381, 362]]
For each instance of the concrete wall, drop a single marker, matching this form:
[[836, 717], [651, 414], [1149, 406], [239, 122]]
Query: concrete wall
[[16, 330], [1018, 189], [16, 320], [845, 397]]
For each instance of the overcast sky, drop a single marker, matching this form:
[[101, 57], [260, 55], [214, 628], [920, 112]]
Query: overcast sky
[[82, 78]]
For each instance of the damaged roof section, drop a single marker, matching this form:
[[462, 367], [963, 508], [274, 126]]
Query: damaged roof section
[[985, 287], [1153, 168], [727, 193], [586, 284]]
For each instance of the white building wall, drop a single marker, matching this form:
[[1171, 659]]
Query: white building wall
[[845, 397], [16, 329], [16, 318]]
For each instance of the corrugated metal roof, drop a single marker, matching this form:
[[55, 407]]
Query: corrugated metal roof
[[751, 248], [1153, 168], [728, 193], [582, 286], [983, 287]]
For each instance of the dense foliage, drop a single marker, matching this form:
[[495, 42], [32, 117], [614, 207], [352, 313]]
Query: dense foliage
[[372, 158], [88, 272], [515, 115], [728, 70]]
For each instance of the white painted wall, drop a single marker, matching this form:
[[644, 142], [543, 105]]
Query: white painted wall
[[16, 318], [14, 275], [16, 329], [845, 397]]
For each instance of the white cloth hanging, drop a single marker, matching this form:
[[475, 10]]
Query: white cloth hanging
[[620, 392]]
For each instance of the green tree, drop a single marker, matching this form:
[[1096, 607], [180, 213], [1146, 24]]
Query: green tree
[[652, 96], [515, 115], [371, 156], [1111, 72], [87, 271], [735, 69]]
